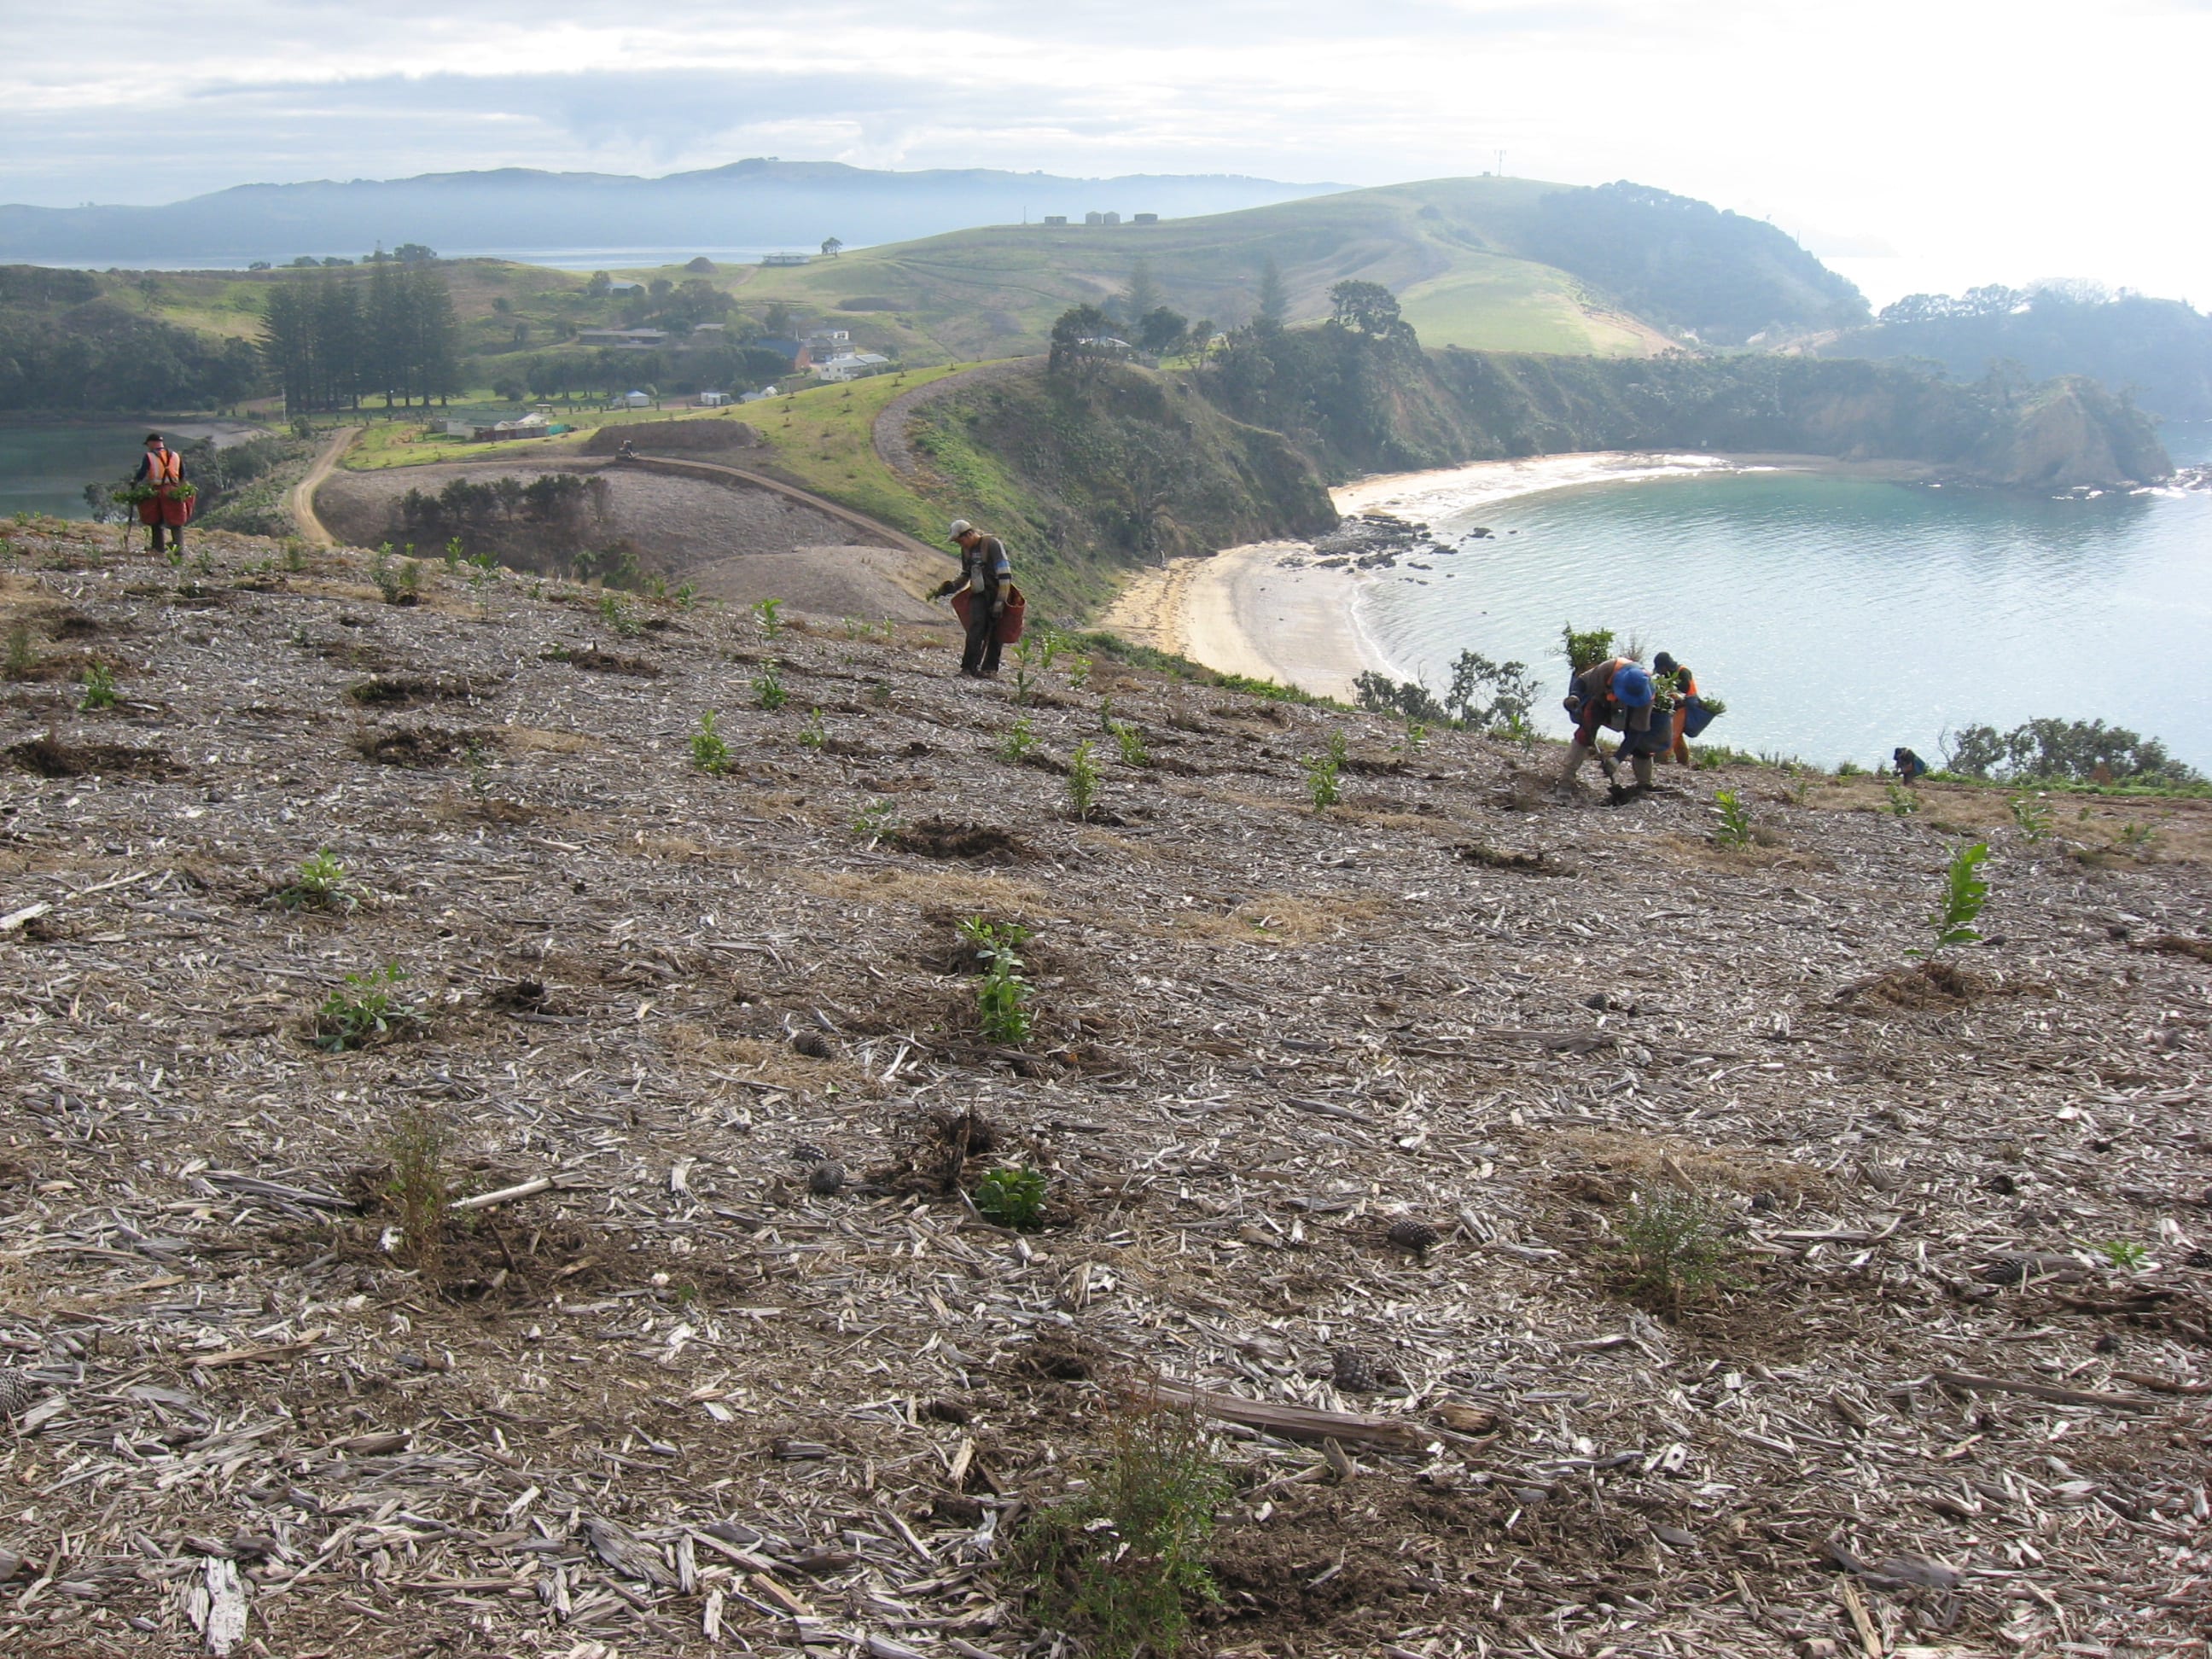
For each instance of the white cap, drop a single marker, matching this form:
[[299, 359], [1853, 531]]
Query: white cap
[[960, 527]]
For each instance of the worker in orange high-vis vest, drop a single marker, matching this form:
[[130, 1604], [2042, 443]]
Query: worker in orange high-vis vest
[[162, 465]]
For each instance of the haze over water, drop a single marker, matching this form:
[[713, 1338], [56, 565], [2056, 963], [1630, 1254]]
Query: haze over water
[[1838, 617]]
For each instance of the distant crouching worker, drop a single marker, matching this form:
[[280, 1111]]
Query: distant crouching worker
[[1685, 687], [1617, 694], [988, 576], [1908, 766], [161, 467]]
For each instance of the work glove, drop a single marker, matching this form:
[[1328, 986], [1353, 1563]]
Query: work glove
[[998, 607]]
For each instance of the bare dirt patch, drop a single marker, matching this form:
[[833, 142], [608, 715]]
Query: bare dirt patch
[[49, 757]]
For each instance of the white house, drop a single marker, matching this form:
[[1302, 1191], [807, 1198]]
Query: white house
[[713, 399], [635, 400], [852, 365]]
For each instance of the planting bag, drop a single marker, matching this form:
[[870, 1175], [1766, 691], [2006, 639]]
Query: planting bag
[[1696, 717], [1010, 620]]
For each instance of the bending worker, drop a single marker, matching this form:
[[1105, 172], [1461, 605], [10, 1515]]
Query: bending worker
[[1616, 694], [988, 576], [160, 467], [1685, 687]]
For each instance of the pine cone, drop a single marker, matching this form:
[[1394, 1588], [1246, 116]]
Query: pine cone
[[813, 1044], [1407, 1234], [1354, 1373], [826, 1180], [17, 1393]]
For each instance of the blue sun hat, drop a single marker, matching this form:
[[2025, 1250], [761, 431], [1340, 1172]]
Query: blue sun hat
[[1631, 687]]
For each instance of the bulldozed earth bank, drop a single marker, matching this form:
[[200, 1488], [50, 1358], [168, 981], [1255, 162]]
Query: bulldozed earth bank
[[673, 1385]]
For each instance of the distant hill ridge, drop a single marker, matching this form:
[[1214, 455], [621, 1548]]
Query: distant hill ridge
[[763, 202]]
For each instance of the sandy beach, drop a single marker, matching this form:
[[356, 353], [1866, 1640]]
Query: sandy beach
[[1263, 610]]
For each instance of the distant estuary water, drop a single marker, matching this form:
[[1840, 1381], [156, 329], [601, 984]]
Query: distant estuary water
[[1838, 618]]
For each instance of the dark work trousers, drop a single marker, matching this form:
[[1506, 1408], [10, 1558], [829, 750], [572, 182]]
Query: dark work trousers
[[981, 655], [176, 537]]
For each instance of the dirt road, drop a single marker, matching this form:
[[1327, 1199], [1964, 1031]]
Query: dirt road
[[303, 499]]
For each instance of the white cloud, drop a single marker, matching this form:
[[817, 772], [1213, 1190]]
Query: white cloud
[[2013, 139]]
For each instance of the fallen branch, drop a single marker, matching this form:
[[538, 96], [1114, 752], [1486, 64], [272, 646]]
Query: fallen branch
[[207, 1361], [530, 1188], [1296, 1422], [2043, 1391]]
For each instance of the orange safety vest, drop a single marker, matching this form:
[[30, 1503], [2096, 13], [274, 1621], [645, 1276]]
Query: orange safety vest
[[165, 467]]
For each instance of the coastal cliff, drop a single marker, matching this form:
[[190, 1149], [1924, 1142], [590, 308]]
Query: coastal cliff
[[1356, 403]]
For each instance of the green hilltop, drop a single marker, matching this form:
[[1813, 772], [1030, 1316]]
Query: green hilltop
[[1488, 264]]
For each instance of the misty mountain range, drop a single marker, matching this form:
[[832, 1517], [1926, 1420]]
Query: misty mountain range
[[752, 203]]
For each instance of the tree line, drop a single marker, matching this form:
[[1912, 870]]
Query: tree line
[[331, 338]]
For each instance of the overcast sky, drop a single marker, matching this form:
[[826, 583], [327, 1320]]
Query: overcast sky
[[1914, 143]]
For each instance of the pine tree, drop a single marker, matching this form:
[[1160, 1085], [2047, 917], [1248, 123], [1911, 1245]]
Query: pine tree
[[1142, 297], [1274, 303]]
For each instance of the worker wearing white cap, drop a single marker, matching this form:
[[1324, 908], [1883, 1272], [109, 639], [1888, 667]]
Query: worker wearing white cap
[[988, 576]]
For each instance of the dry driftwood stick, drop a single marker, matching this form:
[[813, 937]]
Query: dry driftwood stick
[[2043, 1391], [521, 1189], [207, 1361], [16, 919], [1297, 1422]]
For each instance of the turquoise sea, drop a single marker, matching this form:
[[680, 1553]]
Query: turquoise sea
[[1838, 616]]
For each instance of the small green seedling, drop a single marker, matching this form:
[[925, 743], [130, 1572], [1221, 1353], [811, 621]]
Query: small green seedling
[[615, 612], [1001, 994], [814, 734], [454, 554], [1020, 743], [2124, 1253], [1132, 743], [1964, 893], [1903, 803], [364, 1009], [2138, 836], [1324, 774], [769, 688], [320, 884], [1736, 819], [768, 615], [1082, 780], [875, 821], [420, 1187], [1417, 734], [21, 658], [1079, 672], [2031, 815], [1011, 1197], [686, 597], [1025, 659], [99, 687], [709, 753], [1674, 1244]]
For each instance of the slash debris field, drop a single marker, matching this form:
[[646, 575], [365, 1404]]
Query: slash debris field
[[474, 1180]]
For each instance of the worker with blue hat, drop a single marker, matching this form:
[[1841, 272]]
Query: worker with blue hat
[[1616, 694]]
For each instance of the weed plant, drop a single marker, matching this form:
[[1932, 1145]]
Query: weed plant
[[2124, 1253], [1082, 780], [709, 753], [1011, 1197], [1672, 1245], [1123, 1562], [2138, 836], [769, 688], [1020, 743], [1735, 828], [1132, 742], [99, 687], [420, 1187], [366, 1007], [1965, 892], [1001, 993]]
